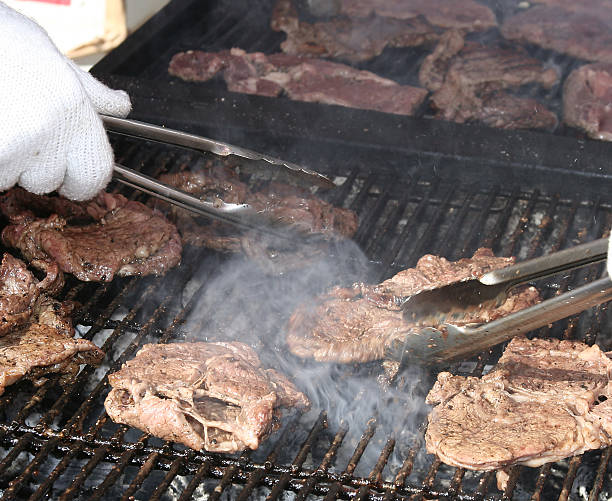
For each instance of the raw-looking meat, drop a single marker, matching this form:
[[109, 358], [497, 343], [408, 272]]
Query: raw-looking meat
[[469, 83], [582, 34], [466, 15], [300, 78], [345, 38], [587, 100], [357, 324], [211, 396]]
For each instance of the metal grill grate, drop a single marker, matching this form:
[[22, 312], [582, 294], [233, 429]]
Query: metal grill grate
[[58, 443]]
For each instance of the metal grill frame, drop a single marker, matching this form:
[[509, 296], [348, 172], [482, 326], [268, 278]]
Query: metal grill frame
[[413, 182]]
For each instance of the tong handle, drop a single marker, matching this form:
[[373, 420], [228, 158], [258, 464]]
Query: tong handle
[[200, 143], [456, 343], [551, 264]]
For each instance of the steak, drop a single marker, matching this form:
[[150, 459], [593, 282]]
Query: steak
[[349, 39], [37, 349], [211, 396], [119, 237], [285, 202], [587, 100], [357, 324], [300, 78], [40, 342], [580, 34], [21, 293], [466, 15], [539, 404], [469, 83]]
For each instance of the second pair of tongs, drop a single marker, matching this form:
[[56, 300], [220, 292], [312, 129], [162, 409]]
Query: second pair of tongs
[[440, 341], [241, 215]]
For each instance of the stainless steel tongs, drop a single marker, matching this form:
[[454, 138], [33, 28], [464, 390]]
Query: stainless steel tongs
[[438, 340], [241, 215]]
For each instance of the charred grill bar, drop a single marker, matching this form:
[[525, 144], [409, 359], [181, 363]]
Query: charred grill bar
[[418, 187]]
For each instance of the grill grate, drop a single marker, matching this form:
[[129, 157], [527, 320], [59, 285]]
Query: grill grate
[[58, 442]]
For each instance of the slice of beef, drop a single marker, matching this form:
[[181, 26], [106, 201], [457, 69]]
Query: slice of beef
[[211, 396], [469, 81], [357, 324], [484, 428], [347, 38], [285, 202], [587, 100], [37, 349], [466, 15], [549, 369], [21, 294], [584, 35], [539, 404], [44, 343], [127, 238], [601, 8], [301, 78]]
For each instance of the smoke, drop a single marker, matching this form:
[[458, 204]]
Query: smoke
[[245, 302]]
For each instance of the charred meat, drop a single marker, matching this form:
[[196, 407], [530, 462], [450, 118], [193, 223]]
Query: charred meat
[[300, 78], [541, 403], [37, 349], [21, 293], [469, 83], [211, 396], [581, 34], [40, 342], [587, 100], [350, 39], [357, 324], [117, 237]]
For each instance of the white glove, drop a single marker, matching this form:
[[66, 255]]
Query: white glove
[[51, 136]]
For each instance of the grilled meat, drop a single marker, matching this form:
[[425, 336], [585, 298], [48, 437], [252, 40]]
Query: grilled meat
[[466, 15], [21, 293], [357, 324], [212, 396], [288, 203], [37, 330], [468, 82], [119, 237], [37, 349], [580, 34], [300, 78], [346, 38], [540, 404], [587, 100]]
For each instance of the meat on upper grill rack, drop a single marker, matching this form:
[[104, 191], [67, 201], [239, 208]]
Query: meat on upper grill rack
[[58, 442]]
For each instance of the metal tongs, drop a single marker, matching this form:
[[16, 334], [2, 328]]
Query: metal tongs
[[241, 215], [438, 340]]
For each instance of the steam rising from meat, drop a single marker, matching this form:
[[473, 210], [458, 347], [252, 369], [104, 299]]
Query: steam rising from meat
[[242, 303]]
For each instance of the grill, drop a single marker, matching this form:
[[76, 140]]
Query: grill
[[419, 186]]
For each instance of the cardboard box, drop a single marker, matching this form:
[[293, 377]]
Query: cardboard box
[[78, 27]]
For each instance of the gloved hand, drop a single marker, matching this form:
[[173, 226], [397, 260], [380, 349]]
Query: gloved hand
[[51, 136]]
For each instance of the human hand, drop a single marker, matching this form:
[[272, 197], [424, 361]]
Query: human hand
[[52, 136]]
